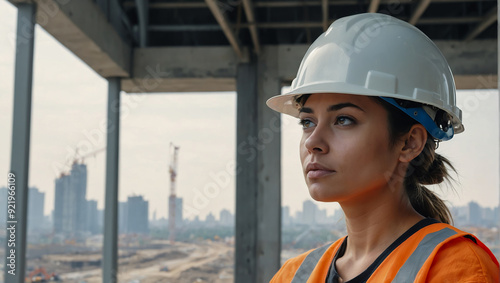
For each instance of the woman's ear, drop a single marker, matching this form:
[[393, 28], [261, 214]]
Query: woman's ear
[[415, 141]]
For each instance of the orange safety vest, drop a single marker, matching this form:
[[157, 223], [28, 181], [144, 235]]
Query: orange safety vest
[[435, 253]]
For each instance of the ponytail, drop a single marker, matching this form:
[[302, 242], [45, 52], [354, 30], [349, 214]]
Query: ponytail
[[427, 169]]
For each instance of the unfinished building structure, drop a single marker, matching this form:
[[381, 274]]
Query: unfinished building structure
[[248, 46]]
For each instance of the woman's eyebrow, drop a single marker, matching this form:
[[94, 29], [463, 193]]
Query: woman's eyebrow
[[305, 110], [334, 107], [343, 105]]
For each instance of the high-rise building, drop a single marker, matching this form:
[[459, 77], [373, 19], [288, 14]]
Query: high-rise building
[[496, 211], [100, 220], [92, 222], [36, 201], [122, 217], [62, 183], [309, 212], [70, 205], [299, 217], [210, 220], [460, 215], [475, 213], [321, 216], [178, 212], [226, 218], [3, 207], [137, 215], [285, 216], [79, 190], [488, 216], [196, 221]]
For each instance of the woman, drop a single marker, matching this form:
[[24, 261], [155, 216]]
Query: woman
[[374, 96]]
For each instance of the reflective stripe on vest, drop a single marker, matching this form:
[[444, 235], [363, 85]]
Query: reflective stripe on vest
[[307, 266], [408, 272]]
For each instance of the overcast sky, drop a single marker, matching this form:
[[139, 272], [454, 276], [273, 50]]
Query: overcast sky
[[69, 105]]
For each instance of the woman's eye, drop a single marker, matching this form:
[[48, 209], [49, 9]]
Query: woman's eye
[[344, 121], [306, 123]]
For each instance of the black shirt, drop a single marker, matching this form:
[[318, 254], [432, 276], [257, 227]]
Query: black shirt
[[333, 276]]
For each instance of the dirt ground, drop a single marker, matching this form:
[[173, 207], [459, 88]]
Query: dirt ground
[[178, 263]]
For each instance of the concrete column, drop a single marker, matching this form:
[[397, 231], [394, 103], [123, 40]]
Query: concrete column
[[498, 85], [143, 15], [17, 209], [110, 248], [258, 179], [269, 169], [246, 174]]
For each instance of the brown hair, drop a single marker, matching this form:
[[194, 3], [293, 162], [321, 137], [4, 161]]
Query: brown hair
[[428, 168]]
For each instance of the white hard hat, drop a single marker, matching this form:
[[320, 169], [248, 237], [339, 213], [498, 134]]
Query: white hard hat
[[378, 55]]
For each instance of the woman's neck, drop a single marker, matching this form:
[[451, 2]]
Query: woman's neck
[[376, 221]]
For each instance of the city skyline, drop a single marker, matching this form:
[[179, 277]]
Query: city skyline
[[133, 216], [203, 124]]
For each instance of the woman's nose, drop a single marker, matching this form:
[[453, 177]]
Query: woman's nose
[[316, 141]]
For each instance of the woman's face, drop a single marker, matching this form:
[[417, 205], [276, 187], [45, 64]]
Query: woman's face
[[344, 149]]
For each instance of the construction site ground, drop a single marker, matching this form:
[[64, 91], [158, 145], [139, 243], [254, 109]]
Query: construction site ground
[[207, 261]]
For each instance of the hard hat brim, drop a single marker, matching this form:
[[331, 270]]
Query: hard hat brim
[[286, 104]]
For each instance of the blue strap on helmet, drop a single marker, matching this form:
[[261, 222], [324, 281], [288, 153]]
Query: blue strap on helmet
[[419, 114]]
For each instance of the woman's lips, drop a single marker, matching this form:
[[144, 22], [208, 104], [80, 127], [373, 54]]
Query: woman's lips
[[316, 174], [315, 171]]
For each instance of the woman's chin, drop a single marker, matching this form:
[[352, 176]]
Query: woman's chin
[[321, 194]]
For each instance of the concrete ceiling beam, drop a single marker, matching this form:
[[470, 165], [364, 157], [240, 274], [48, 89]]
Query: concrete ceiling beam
[[324, 9], [183, 69], [374, 4], [281, 4], [82, 28], [221, 18], [292, 25], [187, 69], [421, 7], [487, 21], [250, 14]]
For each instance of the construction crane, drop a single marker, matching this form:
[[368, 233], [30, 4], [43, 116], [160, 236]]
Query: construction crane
[[174, 150], [70, 162], [82, 157]]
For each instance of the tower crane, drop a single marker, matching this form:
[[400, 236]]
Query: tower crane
[[76, 158], [174, 150], [82, 157]]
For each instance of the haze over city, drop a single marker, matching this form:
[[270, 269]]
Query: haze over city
[[69, 107]]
